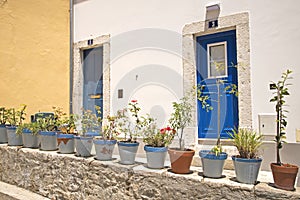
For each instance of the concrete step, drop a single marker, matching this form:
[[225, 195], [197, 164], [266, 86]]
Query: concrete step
[[12, 192]]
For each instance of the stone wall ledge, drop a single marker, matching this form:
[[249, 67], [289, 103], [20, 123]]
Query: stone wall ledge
[[63, 176]]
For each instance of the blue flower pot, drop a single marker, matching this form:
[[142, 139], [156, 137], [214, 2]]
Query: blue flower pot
[[13, 138], [212, 164], [65, 143], [48, 140], [127, 152], [104, 148], [3, 134], [83, 145], [246, 170], [29, 140], [156, 156]]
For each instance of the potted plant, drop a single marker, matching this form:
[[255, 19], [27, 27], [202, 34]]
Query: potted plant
[[105, 144], [156, 143], [128, 145], [3, 119], [67, 131], [15, 118], [181, 158], [49, 125], [90, 124], [247, 163], [213, 160], [284, 175], [29, 133]]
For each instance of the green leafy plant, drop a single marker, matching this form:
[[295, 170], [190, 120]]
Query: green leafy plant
[[247, 142], [281, 92], [109, 130], [159, 138], [16, 117], [68, 124], [134, 125], [51, 122], [131, 127], [33, 127], [181, 118], [90, 122], [3, 116]]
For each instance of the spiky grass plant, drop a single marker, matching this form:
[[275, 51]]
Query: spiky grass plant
[[247, 142]]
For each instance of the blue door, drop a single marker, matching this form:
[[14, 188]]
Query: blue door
[[93, 79], [217, 71]]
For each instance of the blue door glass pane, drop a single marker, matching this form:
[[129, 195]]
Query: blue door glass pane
[[208, 120], [93, 79]]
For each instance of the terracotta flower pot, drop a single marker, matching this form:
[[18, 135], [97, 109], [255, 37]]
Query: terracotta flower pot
[[284, 175], [181, 160]]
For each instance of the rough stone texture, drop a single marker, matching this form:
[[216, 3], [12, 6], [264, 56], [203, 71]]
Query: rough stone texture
[[239, 22], [60, 176], [104, 41]]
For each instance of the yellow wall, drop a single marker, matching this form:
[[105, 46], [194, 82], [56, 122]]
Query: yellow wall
[[34, 54]]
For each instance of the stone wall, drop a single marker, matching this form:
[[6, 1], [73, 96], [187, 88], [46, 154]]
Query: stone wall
[[61, 176]]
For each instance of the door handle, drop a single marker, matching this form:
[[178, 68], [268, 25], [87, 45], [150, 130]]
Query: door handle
[[95, 96]]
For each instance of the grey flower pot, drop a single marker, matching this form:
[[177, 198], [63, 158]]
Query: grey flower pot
[[104, 148], [127, 152], [66, 143], [246, 170], [83, 145], [13, 138], [156, 156], [3, 134], [212, 164], [29, 140], [48, 140]]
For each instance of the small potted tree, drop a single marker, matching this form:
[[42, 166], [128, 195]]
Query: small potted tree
[[130, 129], [181, 158], [3, 119], [15, 118], [105, 144], [247, 163], [156, 143], [67, 131], [90, 124], [213, 160], [284, 175]]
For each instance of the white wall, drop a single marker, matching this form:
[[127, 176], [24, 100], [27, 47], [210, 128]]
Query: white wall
[[275, 33], [147, 35]]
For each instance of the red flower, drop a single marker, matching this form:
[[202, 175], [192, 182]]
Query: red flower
[[163, 131], [133, 101], [168, 128]]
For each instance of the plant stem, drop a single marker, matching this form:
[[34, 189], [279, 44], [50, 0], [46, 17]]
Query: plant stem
[[279, 113], [219, 117], [180, 140]]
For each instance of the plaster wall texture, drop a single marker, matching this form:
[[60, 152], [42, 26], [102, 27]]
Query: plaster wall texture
[[151, 34], [34, 54], [59, 176]]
